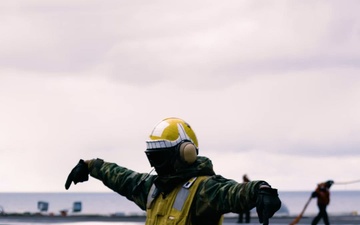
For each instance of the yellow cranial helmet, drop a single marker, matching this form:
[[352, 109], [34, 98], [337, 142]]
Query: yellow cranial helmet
[[172, 141], [169, 133]]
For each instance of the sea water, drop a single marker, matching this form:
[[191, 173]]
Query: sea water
[[342, 202], [111, 203]]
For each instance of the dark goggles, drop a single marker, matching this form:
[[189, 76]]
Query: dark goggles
[[160, 157]]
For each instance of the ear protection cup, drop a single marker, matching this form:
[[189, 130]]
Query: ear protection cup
[[188, 152]]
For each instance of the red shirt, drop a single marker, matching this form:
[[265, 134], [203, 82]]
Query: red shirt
[[323, 194]]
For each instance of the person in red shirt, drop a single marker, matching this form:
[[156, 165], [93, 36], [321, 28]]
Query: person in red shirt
[[322, 193]]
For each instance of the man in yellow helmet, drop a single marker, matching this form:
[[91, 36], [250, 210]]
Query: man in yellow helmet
[[185, 189]]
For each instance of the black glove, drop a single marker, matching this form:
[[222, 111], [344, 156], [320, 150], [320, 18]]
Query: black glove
[[314, 194], [267, 203], [79, 173]]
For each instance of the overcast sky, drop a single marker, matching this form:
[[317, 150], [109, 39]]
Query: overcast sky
[[271, 88]]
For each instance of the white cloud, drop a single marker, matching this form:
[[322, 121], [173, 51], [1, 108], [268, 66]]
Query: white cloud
[[265, 84]]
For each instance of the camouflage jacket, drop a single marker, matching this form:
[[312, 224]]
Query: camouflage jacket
[[215, 195]]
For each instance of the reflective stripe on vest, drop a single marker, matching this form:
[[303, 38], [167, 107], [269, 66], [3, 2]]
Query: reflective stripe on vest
[[183, 194]]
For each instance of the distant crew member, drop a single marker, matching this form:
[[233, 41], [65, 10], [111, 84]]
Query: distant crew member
[[245, 212], [322, 193]]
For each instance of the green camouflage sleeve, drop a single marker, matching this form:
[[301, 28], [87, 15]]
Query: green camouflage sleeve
[[221, 195], [122, 180]]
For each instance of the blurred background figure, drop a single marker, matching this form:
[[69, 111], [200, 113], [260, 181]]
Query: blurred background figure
[[244, 212], [322, 193]]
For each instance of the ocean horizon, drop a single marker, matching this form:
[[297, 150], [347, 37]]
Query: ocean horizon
[[111, 203]]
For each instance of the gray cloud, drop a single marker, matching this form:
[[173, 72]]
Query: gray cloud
[[169, 40]]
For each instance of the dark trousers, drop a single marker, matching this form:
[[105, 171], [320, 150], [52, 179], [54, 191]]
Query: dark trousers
[[322, 214], [241, 216]]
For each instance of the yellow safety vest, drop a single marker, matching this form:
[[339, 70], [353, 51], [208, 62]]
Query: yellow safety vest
[[174, 208]]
